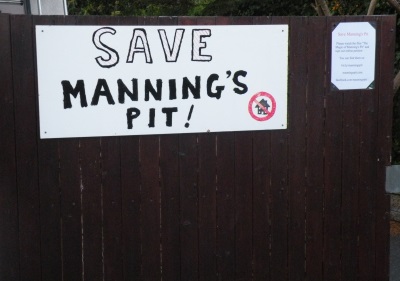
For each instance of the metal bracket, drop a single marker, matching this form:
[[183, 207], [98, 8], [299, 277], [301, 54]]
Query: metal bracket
[[392, 184]]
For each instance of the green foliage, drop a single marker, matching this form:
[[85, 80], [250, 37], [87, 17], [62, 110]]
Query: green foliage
[[130, 8], [257, 8], [357, 7], [190, 7], [79, 7]]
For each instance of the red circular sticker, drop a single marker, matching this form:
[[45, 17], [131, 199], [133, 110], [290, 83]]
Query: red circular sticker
[[262, 106]]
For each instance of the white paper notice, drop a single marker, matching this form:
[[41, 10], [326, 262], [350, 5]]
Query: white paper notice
[[353, 56]]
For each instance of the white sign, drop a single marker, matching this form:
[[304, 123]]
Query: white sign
[[138, 80], [353, 55]]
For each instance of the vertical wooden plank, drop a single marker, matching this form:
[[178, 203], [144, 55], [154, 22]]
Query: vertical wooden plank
[[92, 198], [368, 179], [279, 198], [150, 195], [188, 165], [71, 188], [149, 155], [112, 217], [261, 197], [243, 205], [385, 103], [332, 170], [71, 209], [131, 201], [297, 98], [316, 83], [9, 237], [188, 151], [368, 183], [26, 147], [207, 198], [350, 183], [131, 198], [225, 206], [50, 210], [225, 198], [170, 197], [170, 205], [207, 207], [50, 205], [261, 205], [92, 192], [279, 205], [111, 198], [243, 195]]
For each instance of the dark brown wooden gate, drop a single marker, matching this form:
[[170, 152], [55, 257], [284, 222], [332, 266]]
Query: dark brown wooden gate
[[306, 203]]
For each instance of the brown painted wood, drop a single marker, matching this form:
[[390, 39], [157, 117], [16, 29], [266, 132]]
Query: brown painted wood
[[170, 206], [150, 207], [111, 200], [112, 205], [26, 147], [279, 197], [279, 206], [261, 196], [9, 236], [92, 198], [207, 198], [50, 210], [150, 195], [188, 164], [243, 194], [189, 193], [131, 208], [50, 199], [384, 143], [297, 104], [71, 194], [332, 170], [225, 206], [315, 148], [207, 207], [131, 198], [92, 220], [170, 197], [225, 198], [71, 209], [243, 205], [350, 182], [368, 182], [261, 205]]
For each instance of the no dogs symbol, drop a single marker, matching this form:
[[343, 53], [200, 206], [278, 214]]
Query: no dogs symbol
[[262, 106]]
